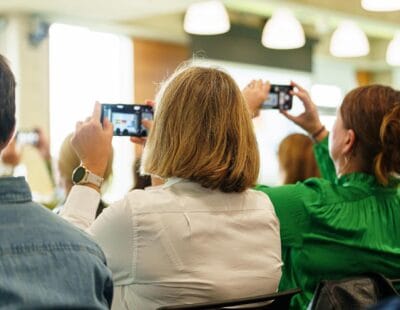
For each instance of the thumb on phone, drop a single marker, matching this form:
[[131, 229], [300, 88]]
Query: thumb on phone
[[148, 124], [96, 115], [108, 126]]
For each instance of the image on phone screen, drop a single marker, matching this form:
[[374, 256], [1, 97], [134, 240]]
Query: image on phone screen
[[127, 118], [279, 98]]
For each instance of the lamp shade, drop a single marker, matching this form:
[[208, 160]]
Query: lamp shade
[[381, 5], [206, 18], [393, 51], [349, 40], [283, 31]]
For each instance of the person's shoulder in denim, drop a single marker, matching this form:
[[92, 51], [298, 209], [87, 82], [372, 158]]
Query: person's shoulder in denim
[[44, 261], [392, 303]]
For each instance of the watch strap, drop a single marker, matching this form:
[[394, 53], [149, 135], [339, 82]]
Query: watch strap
[[93, 178], [82, 175]]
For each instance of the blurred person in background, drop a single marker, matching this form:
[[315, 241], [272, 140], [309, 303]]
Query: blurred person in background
[[296, 159], [44, 261], [348, 222], [28, 155], [11, 155], [67, 162], [202, 236]]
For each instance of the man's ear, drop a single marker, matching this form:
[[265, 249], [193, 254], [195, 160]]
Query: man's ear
[[10, 137], [350, 142]]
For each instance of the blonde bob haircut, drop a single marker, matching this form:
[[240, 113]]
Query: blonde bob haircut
[[202, 132]]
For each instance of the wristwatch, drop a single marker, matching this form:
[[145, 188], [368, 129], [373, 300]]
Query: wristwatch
[[82, 175]]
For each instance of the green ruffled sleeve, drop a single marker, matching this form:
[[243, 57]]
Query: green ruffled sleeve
[[324, 161]]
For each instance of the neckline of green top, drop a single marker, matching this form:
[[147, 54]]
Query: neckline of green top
[[366, 180]]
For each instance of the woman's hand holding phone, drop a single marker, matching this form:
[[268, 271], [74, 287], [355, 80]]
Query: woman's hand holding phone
[[255, 93], [92, 142], [148, 124], [42, 144], [309, 119]]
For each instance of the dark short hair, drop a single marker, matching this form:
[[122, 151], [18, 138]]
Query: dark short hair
[[7, 100]]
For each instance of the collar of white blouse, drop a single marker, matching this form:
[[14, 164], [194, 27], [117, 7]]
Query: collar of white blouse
[[173, 181]]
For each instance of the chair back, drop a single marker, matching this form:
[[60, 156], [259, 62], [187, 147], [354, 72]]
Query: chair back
[[354, 293], [280, 300]]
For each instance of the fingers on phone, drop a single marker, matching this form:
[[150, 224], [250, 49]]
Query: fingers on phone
[[97, 111], [147, 123], [150, 103], [303, 96], [252, 84], [266, 86], [108, 126], [294, 84], [138, 140]]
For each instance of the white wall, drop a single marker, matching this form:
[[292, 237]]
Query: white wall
[[396, 78], [31, 68], [329, 71]]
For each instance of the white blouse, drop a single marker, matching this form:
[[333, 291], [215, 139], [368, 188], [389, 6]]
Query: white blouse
[[182, 243]]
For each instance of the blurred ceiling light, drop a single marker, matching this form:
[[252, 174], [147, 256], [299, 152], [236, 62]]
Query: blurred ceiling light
[[283, 31], [393, 51], [206, 18], [349, 40], [381, 5]]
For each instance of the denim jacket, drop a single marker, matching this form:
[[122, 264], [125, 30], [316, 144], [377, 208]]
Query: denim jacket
[[44, 261]]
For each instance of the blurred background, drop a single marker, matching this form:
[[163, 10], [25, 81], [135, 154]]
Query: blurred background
[[68, 53]]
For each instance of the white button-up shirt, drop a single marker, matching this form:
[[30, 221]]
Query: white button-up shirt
[[182, 243]]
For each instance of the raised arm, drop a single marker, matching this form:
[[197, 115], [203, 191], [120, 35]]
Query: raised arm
[[324, 161], [257, 92], [112, 229], [308, 120]]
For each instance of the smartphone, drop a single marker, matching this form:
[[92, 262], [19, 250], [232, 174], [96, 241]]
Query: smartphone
[[27, 137], [127, 118], [279, 98]]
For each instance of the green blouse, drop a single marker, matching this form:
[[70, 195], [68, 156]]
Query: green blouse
[[332, 228]]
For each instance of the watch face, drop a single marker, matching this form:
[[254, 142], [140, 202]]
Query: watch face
[[78, 174]]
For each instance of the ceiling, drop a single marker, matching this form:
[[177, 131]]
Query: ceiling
[[162, 19], [96, 10], [351, 7], [167, 14]]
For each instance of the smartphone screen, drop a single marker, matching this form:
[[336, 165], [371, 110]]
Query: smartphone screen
[[279, 98], [127, 118], [27, 137]]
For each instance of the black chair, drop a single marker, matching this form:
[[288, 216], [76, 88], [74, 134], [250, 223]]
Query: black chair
[[280, 301], [395, 282], [358, 292]]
